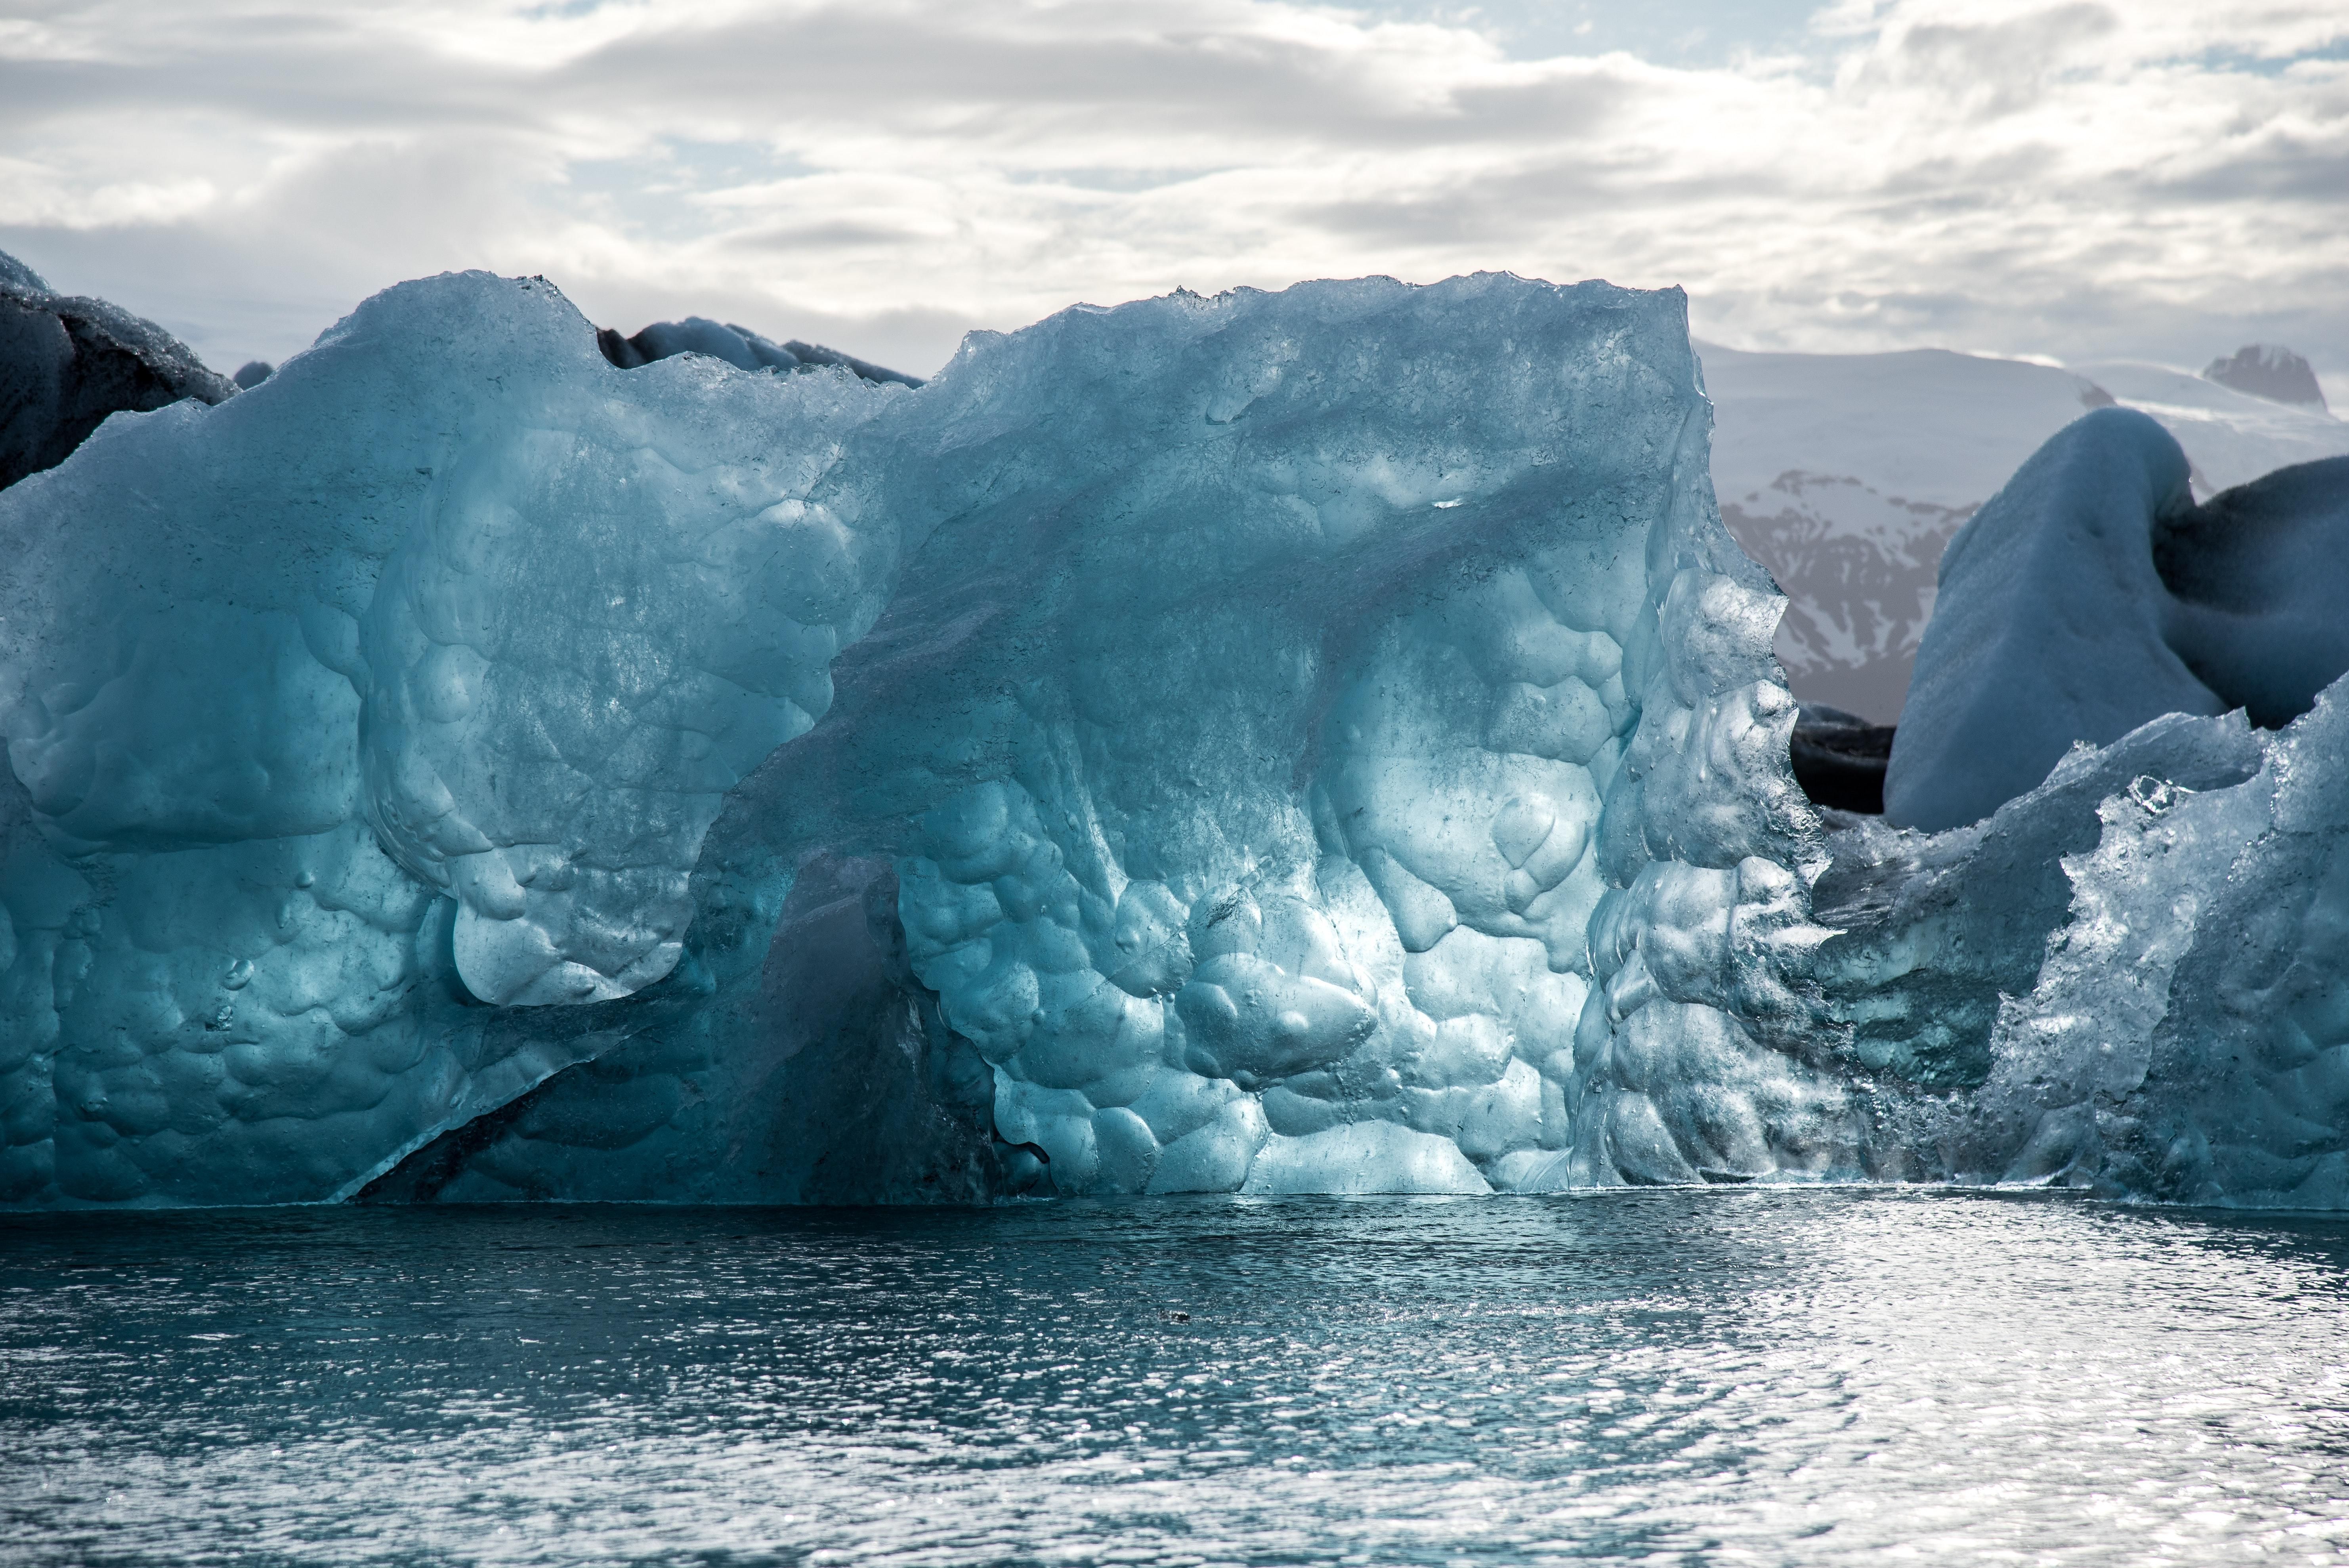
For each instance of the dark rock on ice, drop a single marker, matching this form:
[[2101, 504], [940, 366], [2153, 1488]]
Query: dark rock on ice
[[738, 346], [67, 363], [252, 373], [2268, 370]]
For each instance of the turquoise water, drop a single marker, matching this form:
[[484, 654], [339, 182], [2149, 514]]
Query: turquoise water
[[1768, 1376]]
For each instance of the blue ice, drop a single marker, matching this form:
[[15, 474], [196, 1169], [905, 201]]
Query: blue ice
[[1312, 741]]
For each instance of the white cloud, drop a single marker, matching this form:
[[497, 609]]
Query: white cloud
[[2162, 179]]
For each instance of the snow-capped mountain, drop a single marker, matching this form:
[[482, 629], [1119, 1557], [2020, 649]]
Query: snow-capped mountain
[[1846, 474], [2231, 437], [2268, 370]]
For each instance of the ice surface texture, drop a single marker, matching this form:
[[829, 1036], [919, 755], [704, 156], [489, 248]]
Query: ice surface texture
[[2091, 595], [1268, 690], [409, 679], [1321, 742]]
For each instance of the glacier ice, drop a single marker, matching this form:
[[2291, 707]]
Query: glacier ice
[[737, 346], [2091, 595], [67, 363], [1845, 474], [1314, 741]]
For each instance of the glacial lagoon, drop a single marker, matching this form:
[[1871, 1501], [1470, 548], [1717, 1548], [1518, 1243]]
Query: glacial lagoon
[[1765, 1374], [1207, 760]]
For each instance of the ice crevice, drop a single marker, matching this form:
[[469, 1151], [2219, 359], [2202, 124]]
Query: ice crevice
[[1319, 741]]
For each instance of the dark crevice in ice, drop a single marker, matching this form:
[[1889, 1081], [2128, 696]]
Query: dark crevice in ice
[[1839, 758]]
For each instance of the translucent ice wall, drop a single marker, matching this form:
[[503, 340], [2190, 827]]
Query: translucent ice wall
[[351, 719], [1243, 708], [1321, 741]]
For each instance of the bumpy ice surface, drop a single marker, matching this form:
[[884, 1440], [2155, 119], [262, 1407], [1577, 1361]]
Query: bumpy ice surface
[[1242, 706], [1319, 741]]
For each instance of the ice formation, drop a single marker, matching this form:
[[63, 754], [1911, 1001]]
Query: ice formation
[[1846, 474], [67, 363], [737, 346], [1249, 668], [1321, 742], [2094, 584]]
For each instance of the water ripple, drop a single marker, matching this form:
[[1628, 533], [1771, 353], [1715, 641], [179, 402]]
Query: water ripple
[[1672, 1377]]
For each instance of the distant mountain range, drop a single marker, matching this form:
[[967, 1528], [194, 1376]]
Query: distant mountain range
[[2268, 370], [1846, 475]]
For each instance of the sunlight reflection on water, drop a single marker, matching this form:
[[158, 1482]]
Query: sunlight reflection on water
[[1778, 1376]]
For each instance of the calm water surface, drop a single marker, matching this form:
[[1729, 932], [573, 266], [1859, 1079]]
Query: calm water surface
[[1672, 1377]]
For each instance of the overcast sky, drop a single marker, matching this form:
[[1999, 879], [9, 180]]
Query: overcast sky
[[2158, 179]]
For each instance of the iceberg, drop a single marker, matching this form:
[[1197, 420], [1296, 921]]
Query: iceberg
[[1313, 741], [67, 363], [1177, 734], [2091, 595]]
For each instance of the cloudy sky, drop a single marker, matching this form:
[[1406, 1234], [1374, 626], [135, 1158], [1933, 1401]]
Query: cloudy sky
[[2154, 178]]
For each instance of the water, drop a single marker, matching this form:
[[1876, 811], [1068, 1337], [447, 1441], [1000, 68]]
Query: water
[[1674, 1378]]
